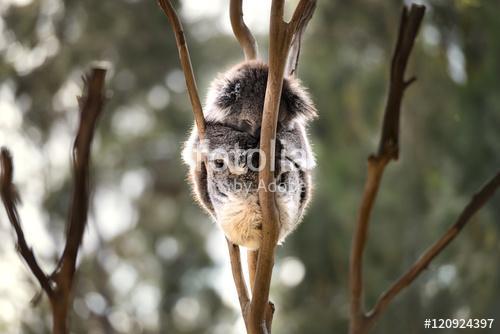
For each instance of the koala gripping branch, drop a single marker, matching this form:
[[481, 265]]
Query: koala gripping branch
[[259, 316], [257, 311]]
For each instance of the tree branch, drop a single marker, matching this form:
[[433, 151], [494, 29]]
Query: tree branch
[[376, 168], [250, 49], [360, 321], [187, 68], [475, 204], [308, 8], [252, 256], [241, 31], [10, 198], [258, 316], [280, 36], [91, 104], [58, 285], [239, 280], [388, 149], [408, 29]]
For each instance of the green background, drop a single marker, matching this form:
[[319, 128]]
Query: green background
[[153, 261]]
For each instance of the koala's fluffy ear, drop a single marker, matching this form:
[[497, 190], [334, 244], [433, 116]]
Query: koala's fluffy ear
[[296, 103], [188, 151], [199, 180], [197, 172]]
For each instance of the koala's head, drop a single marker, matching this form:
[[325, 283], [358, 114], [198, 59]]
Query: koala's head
[[233, 163], [236, 99]]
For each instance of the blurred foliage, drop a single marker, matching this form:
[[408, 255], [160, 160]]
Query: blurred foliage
[[158, 275]]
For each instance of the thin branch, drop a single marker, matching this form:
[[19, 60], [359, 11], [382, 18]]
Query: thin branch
[[302, 15], [250, 49], [408, 29], [10, 198], [475, 204], [294, 54], [239, 280], [280, 37], [58, 285], [252, 256], [388, 149], [187, 68], [376, 168], [241, 31], [91, 104]]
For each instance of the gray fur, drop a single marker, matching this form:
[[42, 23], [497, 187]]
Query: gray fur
[[228, 188]]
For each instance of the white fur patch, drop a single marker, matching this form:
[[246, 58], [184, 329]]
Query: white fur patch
[[241, 221], [289, 215]]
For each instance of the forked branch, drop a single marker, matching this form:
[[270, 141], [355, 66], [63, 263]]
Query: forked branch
[[280, 37], [257, 312], [360, 321], [58, 286], [90, 109], [388, 149]]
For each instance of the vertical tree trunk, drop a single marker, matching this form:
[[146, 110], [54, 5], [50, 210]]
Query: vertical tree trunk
[[60, 305]]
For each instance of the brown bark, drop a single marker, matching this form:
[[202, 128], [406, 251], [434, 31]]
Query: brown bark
[[280, 37], [241, 31], [187, 68]]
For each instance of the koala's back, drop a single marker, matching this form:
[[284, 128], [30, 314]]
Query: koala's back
[[236, 99]]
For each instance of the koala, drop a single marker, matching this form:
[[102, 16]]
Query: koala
[[224, 168]]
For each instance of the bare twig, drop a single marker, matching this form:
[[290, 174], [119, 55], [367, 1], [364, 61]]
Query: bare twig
[[294, 54], [90, 108], [187, 68], [241, 31], [376, 168], [475, 204], [91, 104], [408, 29], [58, 286], [10, 198], [250, 49], [239, 280], [388, 149]]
